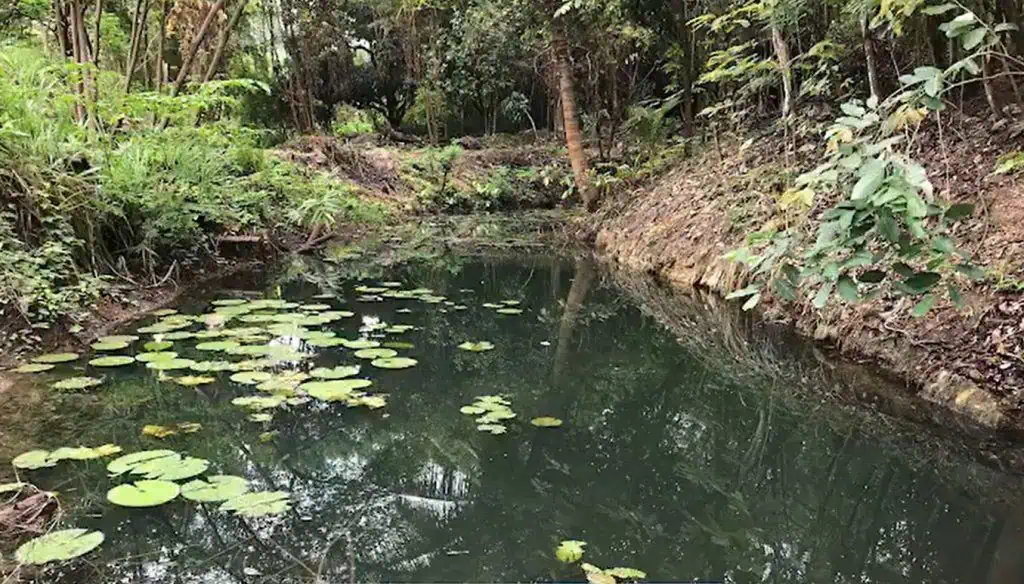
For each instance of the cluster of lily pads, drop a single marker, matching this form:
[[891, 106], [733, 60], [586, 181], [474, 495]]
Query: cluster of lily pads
[[571, 551], [155, 477], [494, 410], [257, 339]]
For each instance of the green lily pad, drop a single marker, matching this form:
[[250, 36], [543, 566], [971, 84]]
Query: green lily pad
[[336, 390], [376, 353], [112, 361], [149, 493], [194, 380], [58, 546], [492, 428], [315, 307], [164, 312], [250, 377], [362, 344], [261, 418], [118, 339], [157, 346], [229, 302], [179, 336], [471, 410], [399, 346], [546, 422], [339, 372], [212, 366], [258, 504], [217, 346], [109, 346], [324, 343], [12, 487], [56, 358], [373, 402], [83, 452], [170, 364], [33, 459], [156, 356], [246, 331], [493, 305], [32, 368], [394, 363], [511, 302], [509, 311], [570, 551], [258, 403], [73, 383], [129, 462], [215, 489], [477, 347], [171, 468]]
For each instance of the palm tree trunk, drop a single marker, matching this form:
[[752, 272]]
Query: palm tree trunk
[[785, 65], [223, 41], [573, 136], [186, 65]]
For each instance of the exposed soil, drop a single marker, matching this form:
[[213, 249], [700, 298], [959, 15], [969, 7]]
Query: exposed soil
[[971, 361]]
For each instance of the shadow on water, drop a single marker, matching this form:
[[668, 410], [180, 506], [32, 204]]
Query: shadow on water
[[694, 447]]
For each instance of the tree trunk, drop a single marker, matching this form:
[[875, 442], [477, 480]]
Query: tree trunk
[[60, 26], [186, 65], [159, 67], [223, 41], [573, 136], [96, 47], [1011, 14], [76, 48], [936, 41], [138, 23], [782, 54], [990, 91], [870, 57]]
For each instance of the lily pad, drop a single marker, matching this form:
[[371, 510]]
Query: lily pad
[[118, 339], [32, 368], [149, 493], [510, 302], [340, 372], [109, 346], [212, 366], [56, 358], [492, 428], [229, 302], [376, 353], [336, 390], [394, 363], [179, 335], [477, 347], [129, 462], [33, 459], [83, 452], [373, 402], [570, 551], [261, 418], [171, 468], [170, 364], [215, 489], [398, 345], [471, 410], [328, 342], [112, 361], [12, 487], [315, 307], [164, 312], [509, 311], [57, 546], [156, 356], [493, 305], [157, 346], [158, 431], [362, 344], [546, 422], [258, 504], [251, 377], [259, 403], [217, 346], [194, 380], [73, 383]]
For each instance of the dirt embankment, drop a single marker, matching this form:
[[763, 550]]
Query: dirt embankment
[[970, 360]]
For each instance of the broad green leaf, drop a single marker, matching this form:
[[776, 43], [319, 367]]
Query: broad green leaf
[[148, 493], [922, 307], [156, 356], [339, 372], [821, 298], [58, 546], [959, 211], [848, 289], [922, 282], [32, 368], [956, 297], [215, 489], [33, 459], [971, 271], [56, 358], [394, 363], [362, 344], [112, 361], [570, 551], [336, 390], [73, 383], [258, 504], [974, 38], [375, 353], [546, 422], [251, 377], [509, 311], [477, 347], [872, 177], [129, 462], [872, 277], [118, 339], [626, 573], [170, 364], [751, 302], [940, 9], [110, 346]]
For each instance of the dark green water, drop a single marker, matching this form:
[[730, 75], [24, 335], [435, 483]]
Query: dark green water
[[668, 462]]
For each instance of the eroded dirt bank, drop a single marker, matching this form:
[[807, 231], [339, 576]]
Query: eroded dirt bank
[[971, 361]]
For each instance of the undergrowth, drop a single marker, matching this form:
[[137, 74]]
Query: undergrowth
[[125, 195]]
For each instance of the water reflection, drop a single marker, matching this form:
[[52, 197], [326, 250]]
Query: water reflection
[[682, 466]]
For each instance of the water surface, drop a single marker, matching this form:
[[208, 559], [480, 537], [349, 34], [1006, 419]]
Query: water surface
[[669, 461]]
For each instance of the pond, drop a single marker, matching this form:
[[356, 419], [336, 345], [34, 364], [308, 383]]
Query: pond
[[669, 459]]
